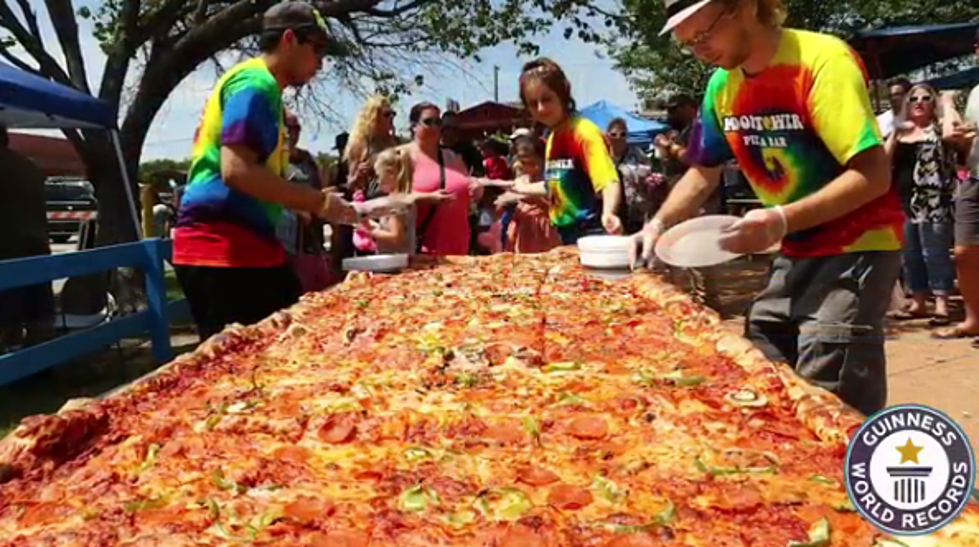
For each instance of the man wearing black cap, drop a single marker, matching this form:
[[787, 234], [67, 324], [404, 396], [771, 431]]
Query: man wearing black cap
[[232, 267], [681, 111], [792, 108]]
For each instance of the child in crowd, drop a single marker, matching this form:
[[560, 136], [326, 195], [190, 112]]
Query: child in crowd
[[395, 234], [525, 225], [580, 182]]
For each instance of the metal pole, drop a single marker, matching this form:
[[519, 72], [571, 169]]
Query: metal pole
[[496, 84], [128, 184]]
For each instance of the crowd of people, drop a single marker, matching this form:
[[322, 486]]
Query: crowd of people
[[851, 202], [929, 142]]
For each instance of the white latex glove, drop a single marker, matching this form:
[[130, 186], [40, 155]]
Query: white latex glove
[[758, 231], [644, 244]]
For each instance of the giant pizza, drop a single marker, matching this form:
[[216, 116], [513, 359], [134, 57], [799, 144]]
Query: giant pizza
[[500, 402]]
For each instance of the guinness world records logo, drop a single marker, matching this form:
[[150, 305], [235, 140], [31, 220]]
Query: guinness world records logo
[[910, 470]]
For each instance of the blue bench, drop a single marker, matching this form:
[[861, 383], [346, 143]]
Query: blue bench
[[148, 255]]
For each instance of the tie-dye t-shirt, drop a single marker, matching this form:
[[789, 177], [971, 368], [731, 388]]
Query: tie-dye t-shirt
[[792, 128], [218, 225], [579, 166]]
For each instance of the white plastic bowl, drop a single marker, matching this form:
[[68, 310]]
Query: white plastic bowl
[[376, 263], [605, 252]]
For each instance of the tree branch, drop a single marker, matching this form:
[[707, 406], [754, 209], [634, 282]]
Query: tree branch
[[340, 8], [399, 10], [46, 64], [128, 41], [17, 62], [160, 22], [62, 15], [30, 16]]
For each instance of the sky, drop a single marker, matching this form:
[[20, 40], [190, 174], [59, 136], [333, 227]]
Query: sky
[[592, 78]]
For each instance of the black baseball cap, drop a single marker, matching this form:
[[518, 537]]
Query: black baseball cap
[[340, 141], [297, 16]]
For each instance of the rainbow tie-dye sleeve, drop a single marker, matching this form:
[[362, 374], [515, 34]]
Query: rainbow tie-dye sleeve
[[707, 145], [595, 153], [839, 106], [251, 114]]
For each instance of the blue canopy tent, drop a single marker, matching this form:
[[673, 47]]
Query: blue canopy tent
[[642, 131], [29, 101], [889, 52], [960, 80]]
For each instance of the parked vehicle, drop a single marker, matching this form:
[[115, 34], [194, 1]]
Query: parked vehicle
[[70, 203]]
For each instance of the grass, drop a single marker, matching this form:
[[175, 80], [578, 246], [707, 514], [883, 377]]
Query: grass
[[174, 292]]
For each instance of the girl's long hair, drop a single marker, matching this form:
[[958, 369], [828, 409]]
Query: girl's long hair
[[400, 161], [363, 129], [551, 75]]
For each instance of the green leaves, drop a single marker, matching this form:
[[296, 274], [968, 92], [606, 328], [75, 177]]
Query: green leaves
[[656, 67]]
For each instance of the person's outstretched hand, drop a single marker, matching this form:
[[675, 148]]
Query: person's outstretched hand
[[431, 197], [641, 252], [612, 223], [336, 209], [759, 230]]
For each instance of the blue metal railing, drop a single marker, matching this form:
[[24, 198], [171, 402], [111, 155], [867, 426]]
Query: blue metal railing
[[148, 255]]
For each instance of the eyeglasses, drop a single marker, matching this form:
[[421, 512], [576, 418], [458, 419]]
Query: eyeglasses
[[431, 122], [921, 99], [616, 135], [703, 36]]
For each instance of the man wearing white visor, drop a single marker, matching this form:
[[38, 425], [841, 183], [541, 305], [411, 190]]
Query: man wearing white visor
[[792, 108]]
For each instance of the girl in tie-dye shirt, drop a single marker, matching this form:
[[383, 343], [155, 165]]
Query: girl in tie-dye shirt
[[580, 179]]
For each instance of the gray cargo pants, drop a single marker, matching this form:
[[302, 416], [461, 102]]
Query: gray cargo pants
[[825, 318]]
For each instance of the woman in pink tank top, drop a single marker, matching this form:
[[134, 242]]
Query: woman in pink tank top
[[442, 229]]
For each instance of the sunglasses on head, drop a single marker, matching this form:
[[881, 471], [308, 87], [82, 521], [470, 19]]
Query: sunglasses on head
[[431, 122]]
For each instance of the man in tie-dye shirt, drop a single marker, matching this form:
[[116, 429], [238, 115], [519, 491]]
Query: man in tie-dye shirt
[[793, 108], [226, 255]]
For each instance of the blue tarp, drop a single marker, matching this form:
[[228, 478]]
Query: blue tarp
[[642, 131], [29, 101], [960, 80], [890, 52]]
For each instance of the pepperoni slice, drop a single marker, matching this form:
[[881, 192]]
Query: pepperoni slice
[[507, 432], [337, 430], [588, 427], [308, 509], [537, 476], [292, 453], [340, 538], [569, 498], [746, 498]]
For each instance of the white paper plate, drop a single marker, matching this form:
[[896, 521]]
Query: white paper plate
[[376, 263], [696, 243]]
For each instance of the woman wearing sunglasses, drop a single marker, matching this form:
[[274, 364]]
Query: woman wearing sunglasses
[[924, 174], [638, 181], [443, 228]]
